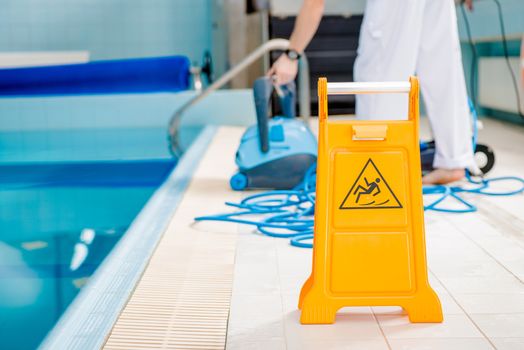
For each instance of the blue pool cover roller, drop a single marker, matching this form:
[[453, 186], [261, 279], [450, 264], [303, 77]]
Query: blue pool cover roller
[[156, 74]]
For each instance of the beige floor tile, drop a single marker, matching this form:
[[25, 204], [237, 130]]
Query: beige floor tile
[[289, 302], [461, 269], [508, 343], [255, 277], [454, 326], [506, 303], [329, 344], [262, 344], [487, 285], [449, 307], [254, 309], [502, 248], [501, 325], [348, 326], [256, 332], [441, 344]]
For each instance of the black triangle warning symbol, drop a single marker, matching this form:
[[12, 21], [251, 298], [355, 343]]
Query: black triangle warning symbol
[[370, 191]]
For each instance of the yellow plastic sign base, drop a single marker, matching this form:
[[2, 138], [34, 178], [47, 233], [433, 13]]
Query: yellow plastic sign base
[[369, 247]]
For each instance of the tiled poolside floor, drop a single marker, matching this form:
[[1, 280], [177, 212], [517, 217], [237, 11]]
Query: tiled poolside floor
[[476, 264]]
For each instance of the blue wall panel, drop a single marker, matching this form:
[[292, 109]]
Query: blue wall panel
[[109, 127], [484, 20], [107, 28]]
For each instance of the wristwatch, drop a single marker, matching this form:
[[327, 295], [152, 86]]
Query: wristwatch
[[293, 55]]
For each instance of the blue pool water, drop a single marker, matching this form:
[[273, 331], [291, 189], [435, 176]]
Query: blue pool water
[[66, 198]]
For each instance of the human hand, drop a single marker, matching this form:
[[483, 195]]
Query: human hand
[[469, 4], [284, 69]]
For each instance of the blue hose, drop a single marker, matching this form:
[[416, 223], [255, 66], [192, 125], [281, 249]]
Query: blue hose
[[481, 187], [290, 213], [279, 213]]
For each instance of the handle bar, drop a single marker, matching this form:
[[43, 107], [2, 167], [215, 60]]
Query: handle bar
[[354, 88]]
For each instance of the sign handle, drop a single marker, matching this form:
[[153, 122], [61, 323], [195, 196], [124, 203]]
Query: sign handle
[[322, 99], [354, 88], [413, 108]]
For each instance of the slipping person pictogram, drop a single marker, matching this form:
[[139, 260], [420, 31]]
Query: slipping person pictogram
[[370, 194], [371, 187]]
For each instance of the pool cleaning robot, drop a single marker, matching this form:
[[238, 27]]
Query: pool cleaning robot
[[275, 153]]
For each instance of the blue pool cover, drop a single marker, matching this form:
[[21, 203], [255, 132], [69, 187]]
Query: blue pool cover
[[99, 77]]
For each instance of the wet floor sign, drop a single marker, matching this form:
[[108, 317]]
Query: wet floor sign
[[369, 247]]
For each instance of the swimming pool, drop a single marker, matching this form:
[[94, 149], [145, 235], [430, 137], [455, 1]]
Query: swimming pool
[[78, 180], [66, 198]]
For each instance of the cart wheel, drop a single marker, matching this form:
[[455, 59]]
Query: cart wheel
[[238, 182], [485, 158]]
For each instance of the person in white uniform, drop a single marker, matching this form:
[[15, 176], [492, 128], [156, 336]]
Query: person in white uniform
[[397, 39]]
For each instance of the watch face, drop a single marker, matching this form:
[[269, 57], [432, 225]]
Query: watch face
[[292, 54]]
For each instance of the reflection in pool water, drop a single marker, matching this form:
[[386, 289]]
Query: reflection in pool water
[[60, 218]]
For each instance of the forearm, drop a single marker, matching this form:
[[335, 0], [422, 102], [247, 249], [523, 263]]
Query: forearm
[[306, 24]]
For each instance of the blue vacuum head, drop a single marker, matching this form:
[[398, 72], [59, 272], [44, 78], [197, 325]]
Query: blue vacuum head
[[275, 153]]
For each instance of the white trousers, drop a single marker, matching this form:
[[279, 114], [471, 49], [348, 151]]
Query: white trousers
[[401, 37]]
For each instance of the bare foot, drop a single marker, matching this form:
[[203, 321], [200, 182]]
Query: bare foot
[[443, 176]]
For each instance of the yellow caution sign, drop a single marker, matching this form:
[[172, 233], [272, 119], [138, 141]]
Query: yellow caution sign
[[369, 247]]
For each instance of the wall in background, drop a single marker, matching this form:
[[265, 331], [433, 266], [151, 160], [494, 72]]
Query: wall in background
[[108, 29], [486, 33], [108, 127], [484, 19]]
